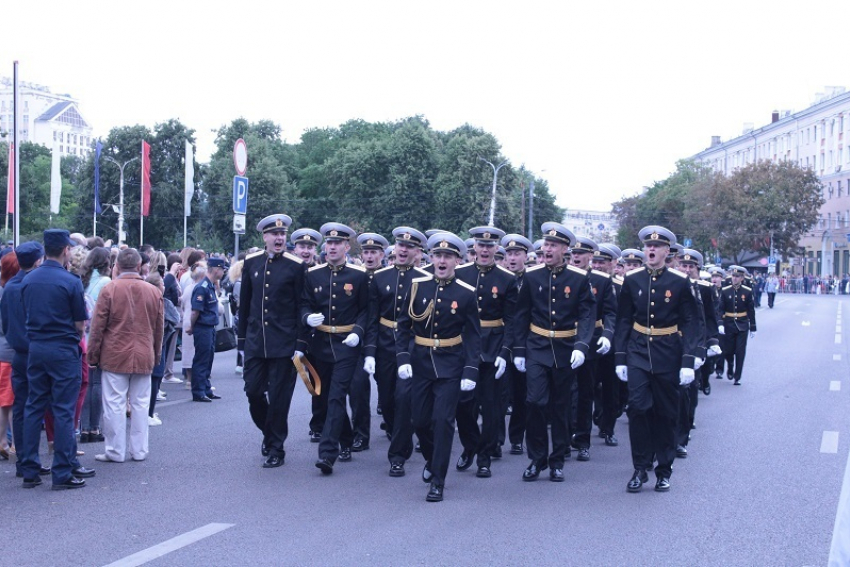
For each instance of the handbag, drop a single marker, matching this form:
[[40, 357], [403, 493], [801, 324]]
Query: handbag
[[225, 339]]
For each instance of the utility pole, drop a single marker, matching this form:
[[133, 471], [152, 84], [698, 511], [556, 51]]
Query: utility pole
[[495, 177], [121, 166]]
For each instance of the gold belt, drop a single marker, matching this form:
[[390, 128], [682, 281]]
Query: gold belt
[[734, 315], [656, 331], [387, 323], [492, 323], [553, 334], [599, 323], [334, 329], [437, 343]]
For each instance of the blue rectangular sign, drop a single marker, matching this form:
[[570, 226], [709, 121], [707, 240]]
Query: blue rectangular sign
[[240, 195]]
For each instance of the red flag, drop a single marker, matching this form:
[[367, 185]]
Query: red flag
[[10, 190], [146, 178]]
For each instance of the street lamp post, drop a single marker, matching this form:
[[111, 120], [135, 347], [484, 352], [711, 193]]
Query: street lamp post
[[495, 177], [120, 196]]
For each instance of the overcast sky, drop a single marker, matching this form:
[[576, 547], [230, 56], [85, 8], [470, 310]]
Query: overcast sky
[[599, 98]]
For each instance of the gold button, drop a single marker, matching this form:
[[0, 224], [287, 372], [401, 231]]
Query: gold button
[[266, 310], [480, 298], [398, 308], [266, 298], [333, 307], [265, 323], [436, 324], [652, 303], [334, 283], [439, 300], [553, 300], [267, 285], [268, 273], [652, 316], [333, 296], [399, 297], [437, 312], [441, 289], [553, 312]]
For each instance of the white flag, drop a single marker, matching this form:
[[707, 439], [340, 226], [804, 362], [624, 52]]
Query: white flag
[[55, 180], [189, 183]]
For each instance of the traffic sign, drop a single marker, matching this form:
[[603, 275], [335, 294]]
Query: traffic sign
[[238, 224], [688, 242], [240, 157], [240, 195], [772, 259]]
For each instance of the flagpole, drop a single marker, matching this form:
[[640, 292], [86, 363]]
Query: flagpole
[[184, 230], [16, 219], [142, 201]]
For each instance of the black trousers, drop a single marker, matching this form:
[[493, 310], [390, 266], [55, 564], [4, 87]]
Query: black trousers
[[386, 376], [519, 413], [586, 380], [609, 394], [503, 397], [736, 351], [360, 399], [269, 384], [771, 297], [21, 389], [482, 399], [547, 384], [337, 430], [653, 415], [401, 444], [319, 404], [688, 398], [434, 403], [704, 373]]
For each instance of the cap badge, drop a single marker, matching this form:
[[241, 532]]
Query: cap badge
[[370, 242], [553, 232], [654, 236], [444, 244], [512, 243], [687, 257], [405, 236], [278, 223], [334, 233], [486, 235]]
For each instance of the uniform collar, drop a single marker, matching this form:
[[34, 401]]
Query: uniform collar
[[273, 255], [444, 282], [485, 269], [401, 268], [557, 269], [657, 272], [336, 268]]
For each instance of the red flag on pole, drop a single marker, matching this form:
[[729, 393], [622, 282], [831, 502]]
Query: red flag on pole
[[146, 178], [10, 188]]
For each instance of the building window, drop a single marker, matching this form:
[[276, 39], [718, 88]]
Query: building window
[[839, 187], [61, 148]]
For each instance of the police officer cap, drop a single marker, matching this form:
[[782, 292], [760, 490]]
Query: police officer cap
[[469, 242], [654, 234], [633, 255], [410, 236], [517, 242], [557, 232], [390, 251], [486, 234], [372, 240], [29, 253], [717, 270], [431, 232], [57, 238], [306, 236], [689, 256], [446, 242], [216, 263], [538, 244], [500, 253], [675, 250], [274, 222], [584, 244], [737, 271], [334, 231], [613, 247], [606, 252]]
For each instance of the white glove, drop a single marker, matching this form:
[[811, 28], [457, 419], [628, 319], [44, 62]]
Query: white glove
[[604, 345], [298, 354], [241, 353], [686, 376], [315, 319], [698, 362], [351, 340], [714, 350], [721, 330], [622, 373], [752, 334], [405, 371], [577, 359], [369, 364], [519, 362], [501, 366], [467, 385]]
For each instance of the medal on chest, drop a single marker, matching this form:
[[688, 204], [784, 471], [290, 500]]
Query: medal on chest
[[593, 289], [348, 288], [567, 292], [454, 307], [667, 296], [495, 292]]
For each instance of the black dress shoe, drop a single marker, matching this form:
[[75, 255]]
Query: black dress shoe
[[69, 484], [730, 377], [344, 455], [383, 426], [611, 441], [325, 465], [85, 437], [483, 472], [273, 462], [427, 475], [264, 449], [464, 461], [583, 454], [397, 469], [201, 399], [417, 448], [569, 452], [44, 471], [636, 483], [556, 475], [497, 454], [214, 397], [83, 472], [707, 389], [737, 381], [516, 449], [359, 445], [662, 484], [532, 472], [681, 452], [435, 494], [315, 436], [510, 410], [31, 482]]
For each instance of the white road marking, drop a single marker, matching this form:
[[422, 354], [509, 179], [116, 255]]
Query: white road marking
[[838, 329], [836, 357], [835, 385], [829, 442], [839, 553], [806, 324], [838, 339], [172, 544]]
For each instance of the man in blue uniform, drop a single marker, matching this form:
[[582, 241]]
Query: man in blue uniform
[[56, 314], [438, 348], [739, 320], [204, 319], [656, 340], [555, 318]]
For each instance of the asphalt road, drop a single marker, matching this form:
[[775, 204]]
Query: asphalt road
[[757, 488]]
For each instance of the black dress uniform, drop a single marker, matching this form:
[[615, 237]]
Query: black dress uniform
[[656, 336], [739, 319], [607, 404], [269, 333], [556, 313], [496, 292], [439, 337]]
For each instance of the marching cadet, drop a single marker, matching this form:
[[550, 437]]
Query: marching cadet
[[470, 249], [496, 292], [717, 277], [739, 319], [656, 339], [690, 262], [387, 293], [372, 253], [205, 314], [500, 256], [582, 252], [608, 385], [270, 334], [513, 383], [438, 347], [619, 267], [632, 259], [336, 301], [306, 241], [554, 325], [538, 250]]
